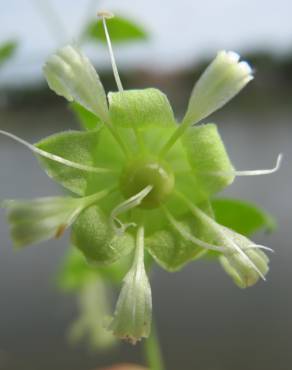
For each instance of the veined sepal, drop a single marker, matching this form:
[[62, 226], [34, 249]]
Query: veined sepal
[[94, 236], [208, 158], [140, 109]]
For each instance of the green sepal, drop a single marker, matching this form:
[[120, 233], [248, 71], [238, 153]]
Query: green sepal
[[120, 29], [140, 109], [208, 158], [76, 146], [244, 217], [94, 236], [171, 250], [87, 120]]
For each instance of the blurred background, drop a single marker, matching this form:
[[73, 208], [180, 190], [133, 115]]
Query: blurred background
[[204, 321]]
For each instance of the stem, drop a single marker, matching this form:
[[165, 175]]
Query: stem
[[174, 137], [153, 351]]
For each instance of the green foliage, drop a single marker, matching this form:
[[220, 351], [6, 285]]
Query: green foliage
[[76, 146], [140, 109], [244, 217], [121, 30], [7, 50]]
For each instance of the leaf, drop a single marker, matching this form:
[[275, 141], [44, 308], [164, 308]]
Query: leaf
[[94, 236], [244, 217], [140, 108], [75, 146], [7, 50], [120, 30], [208, 158], [87, 120]]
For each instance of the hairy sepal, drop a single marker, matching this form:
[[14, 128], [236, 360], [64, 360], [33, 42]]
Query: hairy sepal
[[94, 236], [75, 146], [208, 158], [171, 250], [140, 109]]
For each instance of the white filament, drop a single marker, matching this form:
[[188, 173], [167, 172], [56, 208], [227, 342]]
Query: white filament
[[54, 157], [103, 16], [125, 206], [251, 172]]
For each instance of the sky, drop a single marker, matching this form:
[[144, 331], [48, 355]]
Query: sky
[[182, 32]]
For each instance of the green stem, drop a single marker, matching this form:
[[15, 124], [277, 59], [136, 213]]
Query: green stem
[[174, 137], [153, 351]]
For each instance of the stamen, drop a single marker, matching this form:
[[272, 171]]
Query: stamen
[[54, 157], [106, 15], [252, 172], [125, 206], [190, 237], [258, 246]]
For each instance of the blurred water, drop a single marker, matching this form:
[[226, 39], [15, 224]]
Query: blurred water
[[205, 322]]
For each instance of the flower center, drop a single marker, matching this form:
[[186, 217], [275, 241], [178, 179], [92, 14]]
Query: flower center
[[143, 172]]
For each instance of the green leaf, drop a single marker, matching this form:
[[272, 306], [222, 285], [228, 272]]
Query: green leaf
[[244, 217], [140, 108], [208, 158], [94, 236], [171, 250], [76, 146], [87, 120], [120, 30], [7, 50]]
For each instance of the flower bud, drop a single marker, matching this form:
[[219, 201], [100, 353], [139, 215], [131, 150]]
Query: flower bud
[[70, 74], [248, 267], [132, 318], [221, 81], [41, 219]]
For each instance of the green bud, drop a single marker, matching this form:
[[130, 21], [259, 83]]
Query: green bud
[[248, 267], [221, 81], [70, 74], [132, 317], [41, 219]]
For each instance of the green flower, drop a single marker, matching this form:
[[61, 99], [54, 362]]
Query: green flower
[[141, 180]]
